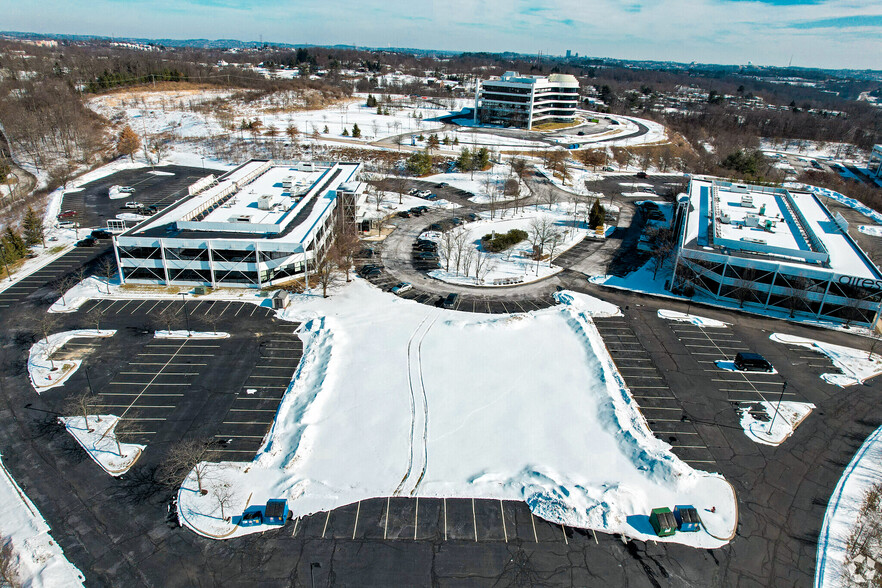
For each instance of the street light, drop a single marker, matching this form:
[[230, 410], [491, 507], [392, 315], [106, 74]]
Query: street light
[[186, 314], [313, 566], [778, 408]]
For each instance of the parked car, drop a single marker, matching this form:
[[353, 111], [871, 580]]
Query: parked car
[[403, 214], [402, 287], [127, 189], [101, 234], [430, 196], [456, 221], [423, 193], [87, 242], [371, 273], [412, 191], [450, 300], [67, 214], [415, 212], [430, 255], [421, 208], [472, 217], [752, 362], [368, 268], [443, 184], [435, 227], [425, 247], [641, 175], [133, 204], [366, 252]]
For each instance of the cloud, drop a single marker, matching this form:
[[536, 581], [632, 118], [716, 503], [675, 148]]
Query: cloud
[[841, 22]]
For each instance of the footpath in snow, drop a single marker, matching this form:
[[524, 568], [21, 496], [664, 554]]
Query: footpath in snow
[[449, 404], [39, 562], [857, 365], [843, 510], [46, 373]]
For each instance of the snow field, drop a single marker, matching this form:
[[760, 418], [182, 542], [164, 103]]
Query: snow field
[[46, 373], [857, 365], [96, 435], [39, 561], [441, 403], [873, 230], [782, 420]]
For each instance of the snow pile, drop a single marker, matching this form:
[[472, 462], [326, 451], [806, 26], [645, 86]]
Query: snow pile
[[184, 334], [777, 420], [874, 230], [857, 365], [39, 561], [587, 304], [97, 437], [115, 193], [843, 512], [841, 199], [698, 321], [568, 439], [46, 373]]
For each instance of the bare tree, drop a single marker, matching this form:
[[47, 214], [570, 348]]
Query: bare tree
[[225, 494], [166, 316], [95, 316], [108, 269], [83, 404], [483, 265], [8, 564], [326, 271], [124, 431], [550, 196], [447, 248], [64, 284], [213, 321], [346, 244], [184, 457], [554, 241], [460, 244]]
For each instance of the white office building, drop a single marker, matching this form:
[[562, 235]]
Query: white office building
[[513, 100], [772, 248], [259, 225]]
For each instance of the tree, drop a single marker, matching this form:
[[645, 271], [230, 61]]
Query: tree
[[356, 132], [8, 564], [447, 248], [95, 316], [225, 494], [346, 244], [482, 158], [325, 130], [33, 228], [345, 132], [63, 284], [128, 142], [593, 158], [419, 164], [108, 270], [554, 242], [185, 457], [326, 272], [166, 316], [432, 143], [539, 232], [124, 431], [83, 404], [597, 216], [464, 161]]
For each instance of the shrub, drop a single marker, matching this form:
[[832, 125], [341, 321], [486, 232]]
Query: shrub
[[503, 241]]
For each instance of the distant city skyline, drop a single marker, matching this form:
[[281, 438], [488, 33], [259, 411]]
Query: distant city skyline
[[812, 33]]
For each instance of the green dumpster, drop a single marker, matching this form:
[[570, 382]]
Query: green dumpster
[[663, 522]]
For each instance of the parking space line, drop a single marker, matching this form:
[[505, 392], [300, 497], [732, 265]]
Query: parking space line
[[146, 419], [502, 513], [149, 310], [475, 520], [136, 394], [327, 518], [253, 409], [562, 528], [138, 406], [416, 518], [445, 519], [134, 310], [225, 310], [238, 310], [357, 511], [533, 521], [149, 384], [124, 305], [239, 436], [386, 524]]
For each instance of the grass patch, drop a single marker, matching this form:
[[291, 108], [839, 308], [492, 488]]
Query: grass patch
[[554, 126]]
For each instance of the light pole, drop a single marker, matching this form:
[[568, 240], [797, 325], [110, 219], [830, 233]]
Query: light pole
[[203, 165], [89, 382], [778, 408], [186, 314], [313, 566]]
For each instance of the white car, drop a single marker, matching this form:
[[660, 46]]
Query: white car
[[127, 189], [132, 205], [402, 287], [423, 193]]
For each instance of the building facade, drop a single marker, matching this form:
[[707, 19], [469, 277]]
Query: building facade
[[259, 225], [771, 248], [875, 164], [513, 100]]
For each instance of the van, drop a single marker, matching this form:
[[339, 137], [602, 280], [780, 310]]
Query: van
[[450, 300], [752, 362]]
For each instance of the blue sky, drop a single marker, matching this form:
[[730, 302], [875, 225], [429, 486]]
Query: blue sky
[[821, 33]]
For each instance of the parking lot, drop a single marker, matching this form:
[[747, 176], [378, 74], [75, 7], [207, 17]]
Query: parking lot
[[228, 389], [68, 263]]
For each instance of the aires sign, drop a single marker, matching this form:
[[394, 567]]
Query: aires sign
[[866, 283]]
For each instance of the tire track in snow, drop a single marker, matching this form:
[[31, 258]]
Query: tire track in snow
[[412, 409], [425, 405]]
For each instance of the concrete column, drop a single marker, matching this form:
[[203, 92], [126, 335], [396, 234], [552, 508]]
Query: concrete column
[[211, 266], [164, 261]]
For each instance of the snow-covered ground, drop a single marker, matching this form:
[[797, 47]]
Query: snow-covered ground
[[698, 321], [873, 230], [814, 149], [479, 183], [39, 561], [840, 198], [843, 510], [392, 202], [780, 421], [515, 264], [857, 365], [451, 404], [46, 373], [97, 436], [191, 335]]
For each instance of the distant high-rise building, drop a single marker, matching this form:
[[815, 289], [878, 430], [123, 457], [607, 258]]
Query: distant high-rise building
[[568, 54], [513, 100]]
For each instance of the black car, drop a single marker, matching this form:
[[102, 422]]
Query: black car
[[415, 211], [87, 242], [368, 268], [641, 175], [456, 221], [374, 271], [450, 301], [472, 217], [404, 214], [434, 227], [430, 255], [101, 234], [425, 247], [752, 362], [421, 208]]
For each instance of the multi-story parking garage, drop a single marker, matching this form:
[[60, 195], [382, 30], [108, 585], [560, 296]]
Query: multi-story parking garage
[[523, 101], [258, 225], [773, 248]]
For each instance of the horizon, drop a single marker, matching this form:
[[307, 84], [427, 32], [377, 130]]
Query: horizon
[[822, 34]]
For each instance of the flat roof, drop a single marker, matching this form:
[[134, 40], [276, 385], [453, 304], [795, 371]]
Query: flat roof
[[774, 224], [259, 199]]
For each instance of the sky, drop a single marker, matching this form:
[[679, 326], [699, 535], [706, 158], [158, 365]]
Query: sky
[[811, 33]]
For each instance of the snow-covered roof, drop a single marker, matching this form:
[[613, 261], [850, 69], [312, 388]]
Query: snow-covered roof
[[776, 224]]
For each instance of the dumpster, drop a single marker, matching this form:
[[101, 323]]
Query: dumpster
[[663, 522], [687, 518]]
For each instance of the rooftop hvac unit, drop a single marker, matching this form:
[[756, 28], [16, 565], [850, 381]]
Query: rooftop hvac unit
[[724, 217], [751, 220], [747, 201], [240, 218], [287, 181], [265, 202]]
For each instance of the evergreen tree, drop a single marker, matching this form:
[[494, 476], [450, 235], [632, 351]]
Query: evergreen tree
[[128, 143], [345, 132], [326, 131], [379, 110], [13, 245], [464, 161], [482, 157], [33, 228], [371, 101], [419, 164], [597, 215], [456, 140], [356, 132]]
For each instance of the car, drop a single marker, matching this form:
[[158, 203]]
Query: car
[[415, 212], [423, 193], [752, 362], [127, 189], [816, 165], [609, 168], [373, 272], [87, 242], [402, 287], [472, 217], [430, 196], [413, 191], [456, 221], [451, 300], [425, 247], [367, 267], [133, 204], [425, 254], [67, 214], [421, 208], [641, 175], [435, 227], [101, 234], [403, 214], [366, 252], [443, 184]]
